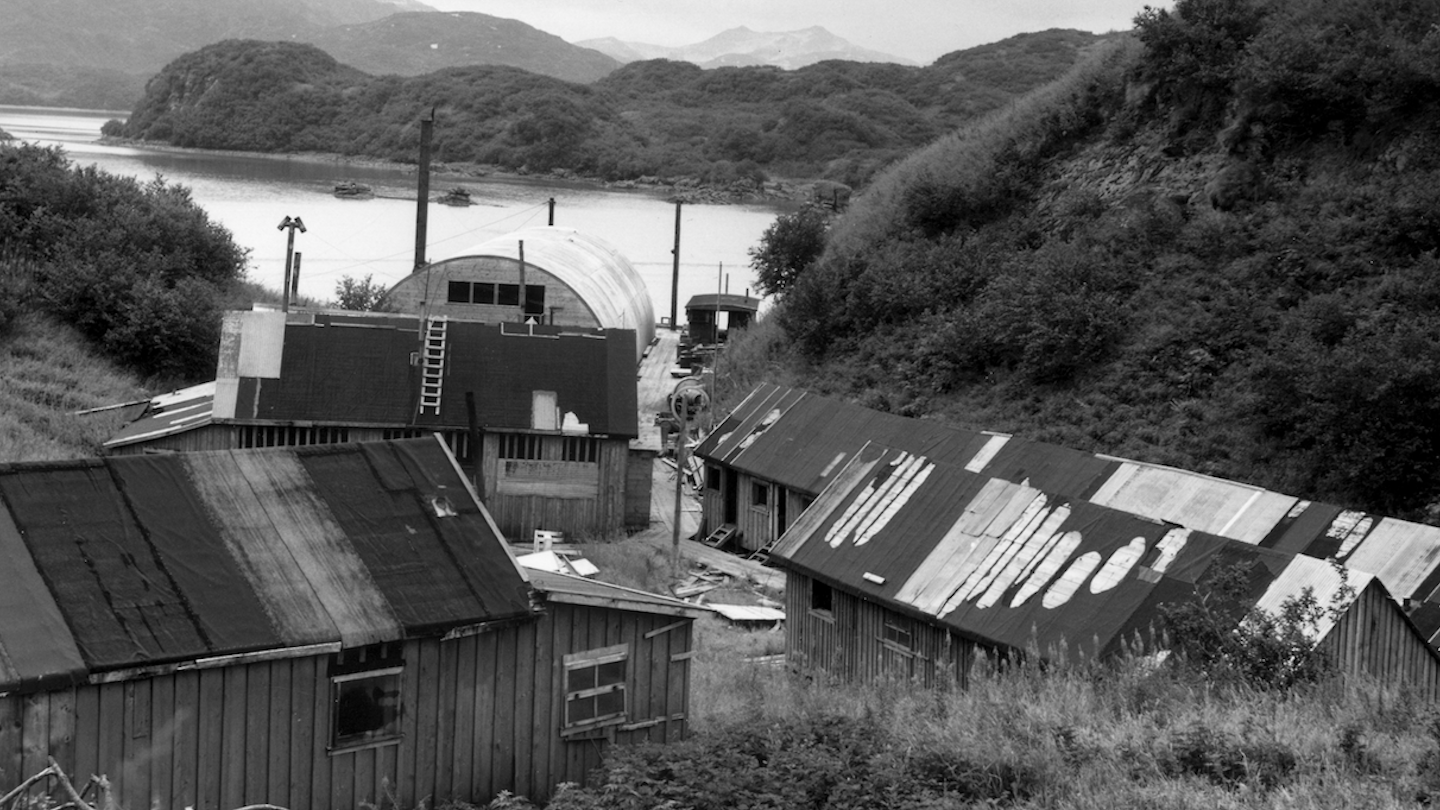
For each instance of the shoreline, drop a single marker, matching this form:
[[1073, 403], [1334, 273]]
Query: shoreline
[[687, 190]]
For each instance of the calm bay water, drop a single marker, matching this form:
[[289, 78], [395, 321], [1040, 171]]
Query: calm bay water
[[251, 194]]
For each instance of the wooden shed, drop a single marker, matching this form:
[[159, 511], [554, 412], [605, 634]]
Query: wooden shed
[[551, 275], [321, 627], [781, 447], [551, 410], [908, 567]]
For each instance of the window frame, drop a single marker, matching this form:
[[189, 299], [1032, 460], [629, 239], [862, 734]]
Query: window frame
[[383, 663], [827, 609], [760, 495], [594, 659]]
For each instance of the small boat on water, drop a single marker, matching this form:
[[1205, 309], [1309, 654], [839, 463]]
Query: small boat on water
[[455, 196], [351, 190]]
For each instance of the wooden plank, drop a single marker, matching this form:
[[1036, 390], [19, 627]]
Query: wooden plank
[[12, 735], [385, 775], [185, 740], [546, 666], [321, 766], [445, 722], [482, 758], [462, 749], [409, 724], [36, 755], [277, 790], [305, 695], [507, 699], [257, 733], [233, 750], [342, 780], [562, 634], [524, 729], [164, 721], [112, 735], [427, 720], [211, 734], [87, 734], [62, 727], [365, 762]]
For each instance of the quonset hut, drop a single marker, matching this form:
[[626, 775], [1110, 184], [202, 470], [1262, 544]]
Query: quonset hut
[[555, 276]]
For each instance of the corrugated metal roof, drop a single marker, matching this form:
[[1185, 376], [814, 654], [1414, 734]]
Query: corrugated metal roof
[[602, 277], [168, 414], [1013, 565], [784, 435], [564, 587], [799, 439], [167, 558]]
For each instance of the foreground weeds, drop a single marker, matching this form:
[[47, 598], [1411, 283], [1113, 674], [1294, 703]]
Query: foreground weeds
[[1129, 736]]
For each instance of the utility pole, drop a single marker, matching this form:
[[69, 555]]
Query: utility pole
[[292, 223], [422, 192], [675, 274], [552, 211], [689, 399]]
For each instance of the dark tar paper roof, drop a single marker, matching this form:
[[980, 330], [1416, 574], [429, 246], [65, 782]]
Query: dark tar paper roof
[[139, 560]]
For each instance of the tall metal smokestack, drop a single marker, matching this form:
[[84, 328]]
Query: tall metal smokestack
[[422, 193]]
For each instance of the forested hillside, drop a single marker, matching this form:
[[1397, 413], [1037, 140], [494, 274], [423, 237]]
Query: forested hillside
[[1212, 245], [837, 120]]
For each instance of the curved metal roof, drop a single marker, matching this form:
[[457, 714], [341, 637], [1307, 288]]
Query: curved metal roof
[[592, 267]]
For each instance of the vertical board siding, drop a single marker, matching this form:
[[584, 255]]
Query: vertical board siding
[[1374, 640], [518, 516], [480, 714]]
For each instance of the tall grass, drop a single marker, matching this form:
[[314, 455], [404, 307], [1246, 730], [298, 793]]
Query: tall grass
[[49, 373], [1133, 735]]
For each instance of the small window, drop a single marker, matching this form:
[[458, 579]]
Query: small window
[[535, 300], [595, 687], [459, 292], [821, 596], [580, 448], [712, 477], [484, 293], [759, 494], [508, 295], [899, 633], [520, 446], [365, 696]]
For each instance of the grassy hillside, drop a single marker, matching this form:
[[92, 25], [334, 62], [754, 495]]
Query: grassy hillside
[[837, 120], [1213, 245], [50, 373]]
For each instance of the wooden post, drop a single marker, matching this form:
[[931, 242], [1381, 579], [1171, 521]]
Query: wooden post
[[552, 211], [522, 281], [477, 446], [422, 191], [675, 274], [295, 280], [679, 410], [292, 224]]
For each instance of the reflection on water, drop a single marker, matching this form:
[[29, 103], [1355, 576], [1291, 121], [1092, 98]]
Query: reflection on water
[[251, 194]]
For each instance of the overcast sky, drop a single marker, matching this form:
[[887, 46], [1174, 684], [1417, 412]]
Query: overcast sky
[[919, 30]]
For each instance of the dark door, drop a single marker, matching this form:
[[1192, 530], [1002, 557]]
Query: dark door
[[732, 496], [781, 516]]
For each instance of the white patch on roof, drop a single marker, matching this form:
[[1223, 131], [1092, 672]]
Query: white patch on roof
[[1325, 584], [1227, 508], [1119, 564], [876, 505], [1070, 581], [1167, 549], [1400, 553], [986, 454], [1048, 567]]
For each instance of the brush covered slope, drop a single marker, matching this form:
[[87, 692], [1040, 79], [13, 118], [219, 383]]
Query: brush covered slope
[[837, 120], [1213, 245]]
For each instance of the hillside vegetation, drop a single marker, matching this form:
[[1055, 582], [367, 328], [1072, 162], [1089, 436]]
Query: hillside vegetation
[[1212, 245], [139, 270], [837, 120]]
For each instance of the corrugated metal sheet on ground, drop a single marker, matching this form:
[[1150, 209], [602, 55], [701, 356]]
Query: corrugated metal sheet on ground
[[557, 583], [1010, 564], [604, 279], [156, 559]]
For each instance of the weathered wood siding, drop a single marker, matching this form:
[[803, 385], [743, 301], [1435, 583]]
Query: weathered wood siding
[[639, 479], [1373, 639], [479, 714], [582, 499], [848, 641]]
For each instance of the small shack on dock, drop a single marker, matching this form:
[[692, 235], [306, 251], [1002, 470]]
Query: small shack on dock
[[541, 415], [330, 626], [907, 567], [549, 275]]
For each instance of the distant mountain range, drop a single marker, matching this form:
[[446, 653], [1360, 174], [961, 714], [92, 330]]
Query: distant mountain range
[[739, 47]]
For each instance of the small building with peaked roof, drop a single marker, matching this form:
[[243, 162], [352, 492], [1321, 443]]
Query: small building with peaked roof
[[326, 626], [909, 567], [542, 415], [552, 275]]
